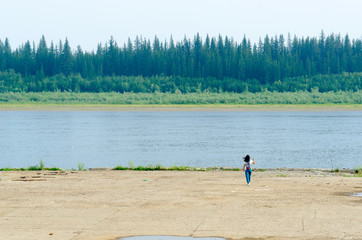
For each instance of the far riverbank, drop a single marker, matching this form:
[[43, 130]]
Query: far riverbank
[[178, 107], [207, 99]]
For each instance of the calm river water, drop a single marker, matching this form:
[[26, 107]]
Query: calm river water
[[199, 139]]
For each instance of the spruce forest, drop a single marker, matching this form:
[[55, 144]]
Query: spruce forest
[[214, 64]]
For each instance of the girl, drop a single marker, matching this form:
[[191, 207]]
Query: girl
[[247, 168]]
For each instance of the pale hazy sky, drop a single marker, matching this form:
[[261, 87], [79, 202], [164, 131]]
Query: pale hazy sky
[[89, 22]]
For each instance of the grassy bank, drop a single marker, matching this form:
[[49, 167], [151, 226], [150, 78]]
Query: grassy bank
[[179, 107], [357, 172], [204, 98]]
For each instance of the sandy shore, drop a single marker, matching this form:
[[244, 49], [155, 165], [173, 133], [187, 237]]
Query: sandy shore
[[100, 205]]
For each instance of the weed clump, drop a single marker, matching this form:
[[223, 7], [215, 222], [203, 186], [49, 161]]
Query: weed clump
[[358, 172]]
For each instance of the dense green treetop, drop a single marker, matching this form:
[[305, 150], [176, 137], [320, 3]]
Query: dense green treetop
[[215, 63]]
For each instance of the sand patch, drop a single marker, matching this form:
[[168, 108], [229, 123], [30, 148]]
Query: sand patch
[[102, 205]]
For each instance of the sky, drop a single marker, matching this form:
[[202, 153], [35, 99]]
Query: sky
[[90, 22]]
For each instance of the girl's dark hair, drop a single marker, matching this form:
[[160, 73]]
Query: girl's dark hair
[[247, 158]]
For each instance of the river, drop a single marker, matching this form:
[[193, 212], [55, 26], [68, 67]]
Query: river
[[186, 138]]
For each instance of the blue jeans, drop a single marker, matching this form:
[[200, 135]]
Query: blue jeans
[[248, 175]]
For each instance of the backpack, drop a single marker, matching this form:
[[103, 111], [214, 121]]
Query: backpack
[[247, 166]]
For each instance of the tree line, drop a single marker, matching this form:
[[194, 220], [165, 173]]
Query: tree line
[[329, 63]]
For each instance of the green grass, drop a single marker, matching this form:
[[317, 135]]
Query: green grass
[[23, 99], [53, 169], [12, 169], [159, 167], [358, 172], [38, 167], [142, 168], [260, 170], [183, 168], [281, 175], [34, 168], [81, 167], [335, 170], [119, 167], [41, 164]]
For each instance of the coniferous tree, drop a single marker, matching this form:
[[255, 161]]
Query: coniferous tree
[[66, 59], [215, 64], [41, 56]]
